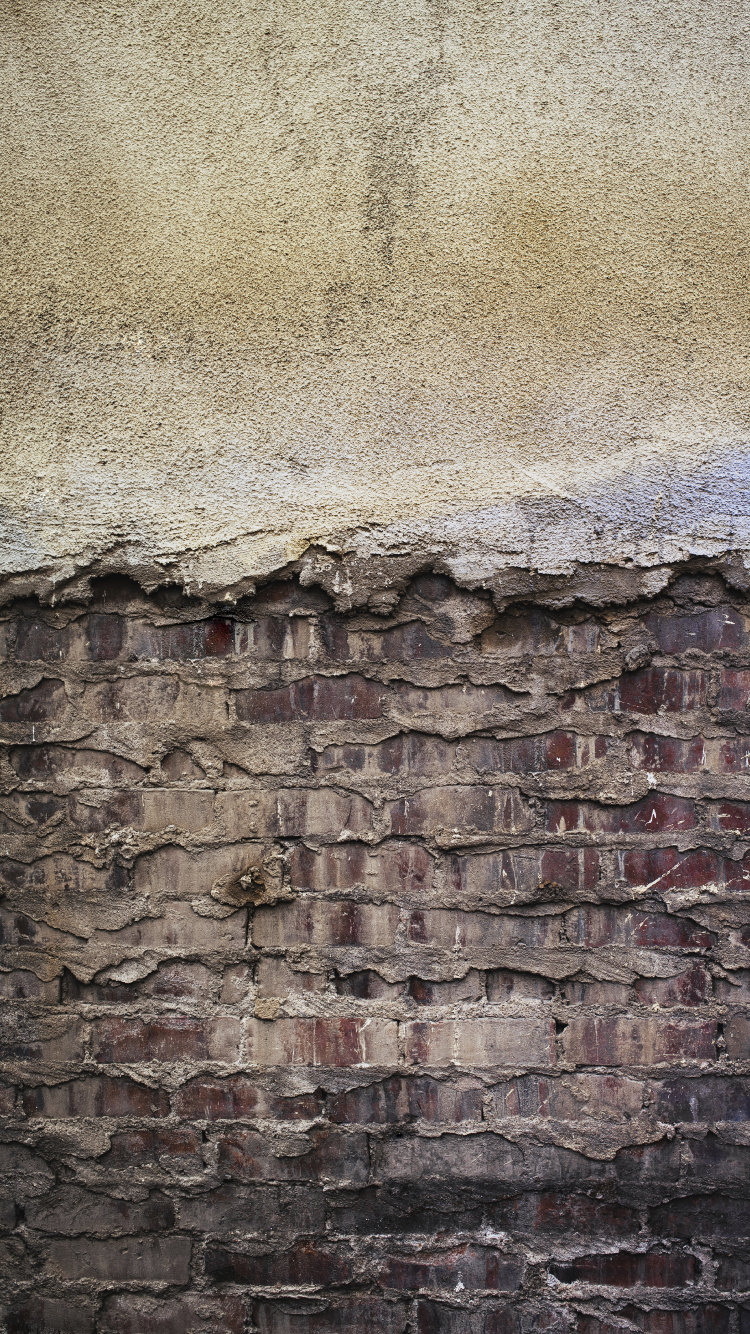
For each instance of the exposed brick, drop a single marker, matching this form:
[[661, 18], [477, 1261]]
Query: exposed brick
[[481, 1042], [637, 1041], [141, 1259], [655, 690], [310, 921], [594, 926], [348, 1042], [661, 869], [655, 814], [335, 1156], [707, 631], [503, 876], [708, 1098], [397, 868], [733, 1274], [42, 1315], [693, 987], [347, 1316], [71, 1212], [36, 705], [458, 929], [734, 688], [700, 1216], [192, 1313], [315, 698], [62, 764], [177, 1145], [95, 1097], [460, 809], [166, 1039], [403, 1099], [292, 813], [308, 1264], [625, 1270], [473, 1266], [215, 1099]]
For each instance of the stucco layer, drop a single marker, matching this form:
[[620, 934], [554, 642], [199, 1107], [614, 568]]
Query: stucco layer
[[444, 276]]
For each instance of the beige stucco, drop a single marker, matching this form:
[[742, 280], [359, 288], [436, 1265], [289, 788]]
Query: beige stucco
[[449, 273]]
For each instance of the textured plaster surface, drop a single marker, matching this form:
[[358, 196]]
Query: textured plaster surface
[[454, 279]]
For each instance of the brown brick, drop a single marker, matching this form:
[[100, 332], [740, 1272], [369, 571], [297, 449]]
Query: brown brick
[[178, 1146], [309, 1264], [36, 705], [408, 1098], [693, 987], [154, 699], [737, 1036], [708, 1098], [140, 1259], [95, 1097], [480, 1042], [734, 688], [327, 1041], [656, 690], [396, 868], [70, 1211], [637, 1041], [21, 985], [707, 631], [215, 1099], [453, 930], [460, 809], [694, 1217], [335, 1156], [408, 753], [166, 1039], [348, 1315], [472, 1266], [292, 813], [312, 922], [42, 1315], [314, 699], [624, 1270], [593, 925], [191, 1313], [62, 765]]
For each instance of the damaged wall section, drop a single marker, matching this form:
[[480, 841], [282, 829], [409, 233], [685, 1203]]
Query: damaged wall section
[[383, 971]]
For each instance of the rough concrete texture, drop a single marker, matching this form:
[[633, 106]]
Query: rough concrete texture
[[381, 972], [438, 276]]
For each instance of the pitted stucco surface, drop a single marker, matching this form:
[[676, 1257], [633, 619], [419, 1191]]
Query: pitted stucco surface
[[457, 278]]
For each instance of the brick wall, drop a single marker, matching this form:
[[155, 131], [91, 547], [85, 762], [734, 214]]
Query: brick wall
[[373, 972]]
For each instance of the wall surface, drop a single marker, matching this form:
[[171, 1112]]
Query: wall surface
[[376, 972], [442, 275]]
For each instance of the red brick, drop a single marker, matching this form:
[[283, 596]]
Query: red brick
[[707, 631], [652, 815], [732, 816], [512, 876], [191, 1313], [638, 1041], [693, 987], [666, 754], [95, 1097], [213, 1099], [71, 1211], [329, 1041], [36, 705], [480, 1042], [37, 642], [166, 1039], [314, 922], [308, 1264], [143, 1259], [666, 868], [734, 688], [655, 690], [473, 1266], [459, 809], [625, 1270], [398, 868], [315, 699], [710, 1098], [593, 925]]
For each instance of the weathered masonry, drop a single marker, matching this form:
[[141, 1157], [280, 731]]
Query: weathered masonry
[[377, 969]]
